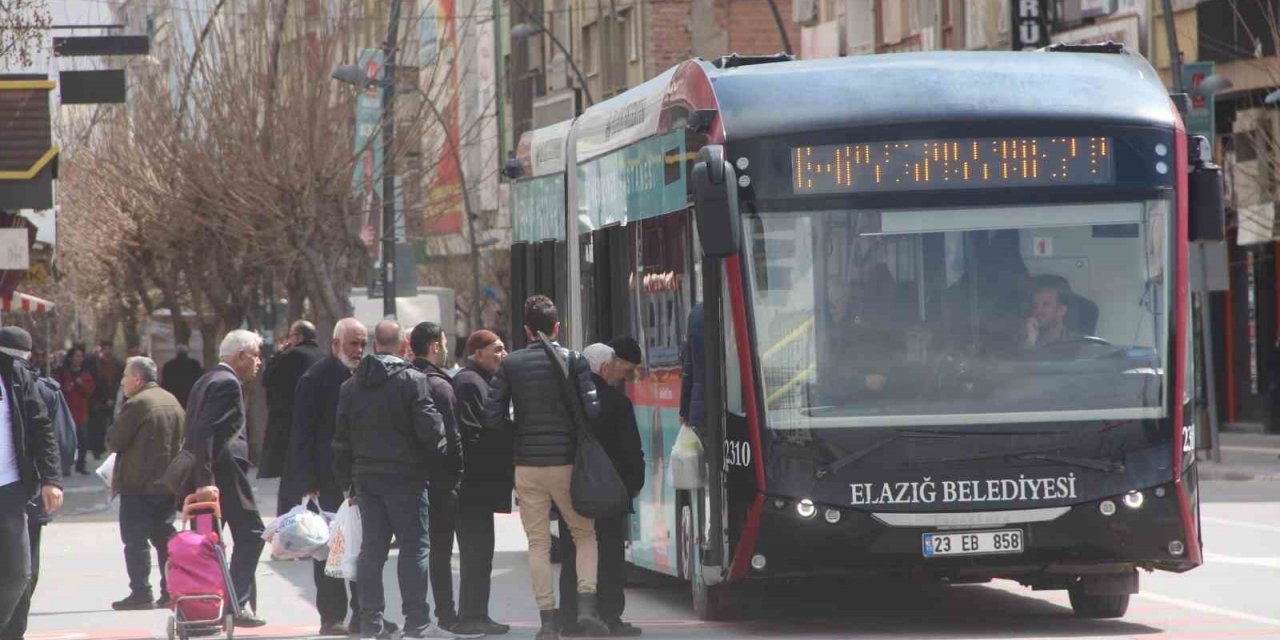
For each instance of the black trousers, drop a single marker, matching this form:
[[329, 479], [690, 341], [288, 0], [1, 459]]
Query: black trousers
[[611, 569], [82, 445], [392, 505], [331, 593], [443, 517], [17, 626], [15, 551], [146, 521], [100, 419], [246, 528], [475, 548]]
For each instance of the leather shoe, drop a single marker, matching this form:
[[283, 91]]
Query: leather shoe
[[249, 621], [334, 629], [135, 602], [620, 629]]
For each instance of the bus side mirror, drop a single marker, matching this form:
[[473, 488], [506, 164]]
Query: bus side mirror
[[715, 194], [1205, 202]]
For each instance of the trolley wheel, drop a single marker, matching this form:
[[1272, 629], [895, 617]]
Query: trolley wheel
[[709, 603], [171, 629], [1096, 606], [231, 626]]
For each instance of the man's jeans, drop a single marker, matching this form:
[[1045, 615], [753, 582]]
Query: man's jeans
[[15, 558], [17, 627], [393, 505], [145, 521], [538, 488]]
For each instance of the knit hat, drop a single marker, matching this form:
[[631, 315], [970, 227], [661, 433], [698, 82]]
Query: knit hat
[[15, 342], [626, 348], [480, 340]]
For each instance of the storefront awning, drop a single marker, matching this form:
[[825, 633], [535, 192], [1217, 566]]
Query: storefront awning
[[24, 302]]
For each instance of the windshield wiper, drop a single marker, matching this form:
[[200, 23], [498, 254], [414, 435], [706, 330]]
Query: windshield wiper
[[1106, 466], [848, 459]]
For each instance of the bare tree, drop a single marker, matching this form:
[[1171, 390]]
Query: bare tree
[[23, 26]]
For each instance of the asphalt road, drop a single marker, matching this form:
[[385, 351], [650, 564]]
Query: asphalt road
[[1235, 595]]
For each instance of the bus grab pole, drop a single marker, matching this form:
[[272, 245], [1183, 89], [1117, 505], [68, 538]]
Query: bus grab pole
[[714, 354]]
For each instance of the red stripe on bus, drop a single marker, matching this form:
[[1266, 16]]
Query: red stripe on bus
[[751, 527], [1180, 338]]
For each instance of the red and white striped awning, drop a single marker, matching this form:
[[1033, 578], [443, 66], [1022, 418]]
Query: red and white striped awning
[[25, 302]]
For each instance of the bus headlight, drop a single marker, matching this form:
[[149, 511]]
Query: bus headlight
[[1107, 507], [806, 509], [832, 516], [758, 562], [1176, 548], [1133, 499]]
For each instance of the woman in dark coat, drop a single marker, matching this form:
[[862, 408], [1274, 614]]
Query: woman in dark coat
[[77, 387], [487, 481]]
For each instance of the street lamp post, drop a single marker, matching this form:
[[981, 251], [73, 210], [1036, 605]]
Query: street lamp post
[[525, 30], [351, 74]]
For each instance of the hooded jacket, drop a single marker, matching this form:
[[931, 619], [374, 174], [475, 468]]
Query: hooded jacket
[[387, 424]]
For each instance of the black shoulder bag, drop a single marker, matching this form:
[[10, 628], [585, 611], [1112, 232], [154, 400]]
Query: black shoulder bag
[[596, 488]]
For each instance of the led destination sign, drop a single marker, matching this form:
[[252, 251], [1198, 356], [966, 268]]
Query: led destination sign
[[957, 163]]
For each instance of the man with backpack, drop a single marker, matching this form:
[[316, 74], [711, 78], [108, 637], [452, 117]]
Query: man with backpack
[[545, 447]]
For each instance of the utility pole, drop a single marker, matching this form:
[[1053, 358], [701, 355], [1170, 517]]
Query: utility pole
[[388, 163]]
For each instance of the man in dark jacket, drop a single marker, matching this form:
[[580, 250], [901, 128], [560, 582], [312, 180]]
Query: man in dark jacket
[[16, 343], [388, 442], [145, 437], [545, 448], [430, 348], [311, 458], [486, 482], [180, 374], [217, 435], [280, 378], [619, 434], [29, 465]]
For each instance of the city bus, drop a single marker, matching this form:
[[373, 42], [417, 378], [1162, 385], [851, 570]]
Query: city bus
[[943, 303]]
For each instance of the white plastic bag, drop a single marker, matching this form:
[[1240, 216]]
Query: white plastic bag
[[108, 469], [298, 534], [686, 460], [344, 542]]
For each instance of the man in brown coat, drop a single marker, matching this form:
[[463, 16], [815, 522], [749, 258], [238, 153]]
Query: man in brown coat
[[145, 438]]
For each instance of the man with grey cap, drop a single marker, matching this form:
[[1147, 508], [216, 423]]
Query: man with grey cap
[[145, 437], [30, 466]]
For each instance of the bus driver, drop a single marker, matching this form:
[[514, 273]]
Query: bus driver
[[1049, 306]]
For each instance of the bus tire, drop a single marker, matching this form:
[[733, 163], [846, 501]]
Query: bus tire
[[709, 603], [1097, 606]]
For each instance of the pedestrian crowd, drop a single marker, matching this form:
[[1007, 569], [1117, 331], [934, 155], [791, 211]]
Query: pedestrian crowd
[[428, 456]]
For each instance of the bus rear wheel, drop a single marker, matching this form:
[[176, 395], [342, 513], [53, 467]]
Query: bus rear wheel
[[1097, 606]]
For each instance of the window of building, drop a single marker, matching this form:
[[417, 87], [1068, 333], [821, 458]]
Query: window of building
[[631, 33], [590, 48]]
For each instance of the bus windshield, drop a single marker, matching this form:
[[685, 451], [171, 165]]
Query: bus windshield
[[1024, 314]]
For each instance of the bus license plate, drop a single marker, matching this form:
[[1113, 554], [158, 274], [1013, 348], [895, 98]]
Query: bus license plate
[[972, 543]]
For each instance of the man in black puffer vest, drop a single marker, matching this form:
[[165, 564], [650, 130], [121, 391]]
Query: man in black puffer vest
[[545, 446]]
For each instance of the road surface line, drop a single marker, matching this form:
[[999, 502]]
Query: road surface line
[[1208, 608], [1240, 523]]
